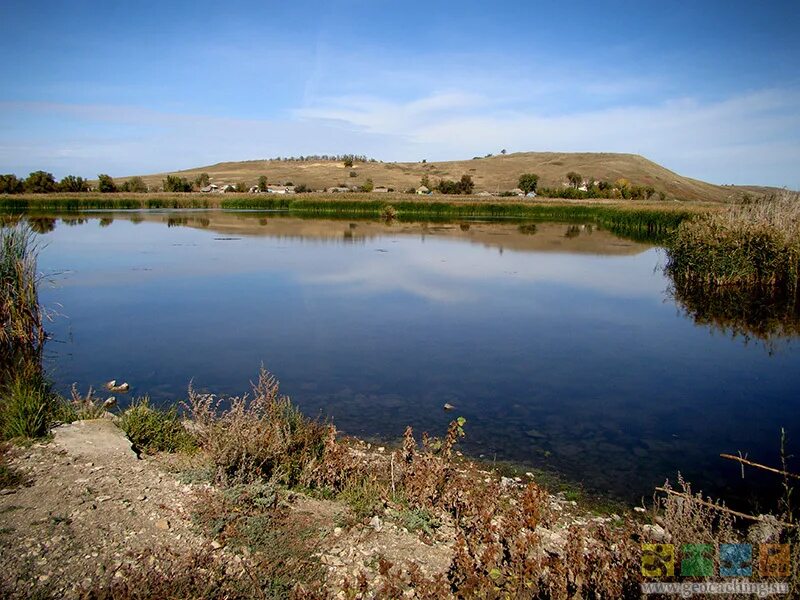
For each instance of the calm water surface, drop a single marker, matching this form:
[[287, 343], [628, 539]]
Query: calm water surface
[[560, 346]]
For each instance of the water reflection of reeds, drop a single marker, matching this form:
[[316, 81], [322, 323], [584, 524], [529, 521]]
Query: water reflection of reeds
[[766, 314]]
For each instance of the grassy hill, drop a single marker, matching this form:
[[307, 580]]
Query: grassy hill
[[493, 174]]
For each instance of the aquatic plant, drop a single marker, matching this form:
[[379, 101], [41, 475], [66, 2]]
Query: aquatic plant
[[752, 244], [22, 333]]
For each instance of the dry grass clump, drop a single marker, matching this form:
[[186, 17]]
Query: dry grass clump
[[754, 244], [692, 521], [263, 437]]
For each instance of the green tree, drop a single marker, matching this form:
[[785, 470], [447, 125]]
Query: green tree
[[528, 182], [136, 185], [11, 184], [202, 180], [348, 162], [173, 183], [70, 183], [503, 151], [368, 186], [40, 182], [574, 179], [426, 181], [263, 184], [241, 187], [105, 184]]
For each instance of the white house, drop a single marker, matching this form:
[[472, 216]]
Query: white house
[[422, 190]]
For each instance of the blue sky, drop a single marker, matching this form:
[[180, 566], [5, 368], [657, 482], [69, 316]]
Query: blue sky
[[710, 90]]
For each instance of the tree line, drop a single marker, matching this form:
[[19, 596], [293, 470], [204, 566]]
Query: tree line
[[580, 187]]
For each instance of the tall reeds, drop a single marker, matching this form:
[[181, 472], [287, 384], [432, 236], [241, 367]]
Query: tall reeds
[[754, 244], [26, 401], [21, 329]]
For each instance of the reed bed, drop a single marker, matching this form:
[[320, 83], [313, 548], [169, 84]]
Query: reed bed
[[628, 219], [755, 245], [21, 328], [26, 402]]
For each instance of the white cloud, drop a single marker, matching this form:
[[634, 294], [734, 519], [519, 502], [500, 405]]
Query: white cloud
[[748, 138], [751, 138]]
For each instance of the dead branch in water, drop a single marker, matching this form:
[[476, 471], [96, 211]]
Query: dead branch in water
[[725, 509], [759, 466]]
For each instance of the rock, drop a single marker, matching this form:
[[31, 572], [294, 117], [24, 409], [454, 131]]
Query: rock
[[639, 509], [448, 406], [110, 402], [552, 541], [216, 545], [376, 523], [111, 384], [97, 439], [163, 524], [337, 531], [766, 531], [656, 533], [102, 498]]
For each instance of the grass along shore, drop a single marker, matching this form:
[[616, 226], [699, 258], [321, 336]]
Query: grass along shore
[[652, 220]]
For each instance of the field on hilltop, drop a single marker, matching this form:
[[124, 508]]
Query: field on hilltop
[[492, 174]]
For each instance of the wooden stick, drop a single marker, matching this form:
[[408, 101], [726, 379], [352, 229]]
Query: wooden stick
[[758, 466], [718, 507]]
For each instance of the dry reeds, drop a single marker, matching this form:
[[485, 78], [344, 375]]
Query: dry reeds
[[753, 244], [21, 329]]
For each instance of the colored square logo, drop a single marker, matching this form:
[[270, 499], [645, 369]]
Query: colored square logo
[[698, 560], [774, 560], [658, 560], [736, 560]]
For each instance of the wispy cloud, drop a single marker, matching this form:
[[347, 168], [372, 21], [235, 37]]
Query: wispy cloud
[[748, 138]]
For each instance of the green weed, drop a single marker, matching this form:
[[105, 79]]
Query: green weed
[[154, 430]]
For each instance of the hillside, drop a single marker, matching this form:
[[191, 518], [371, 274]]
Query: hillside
[[493, 174]]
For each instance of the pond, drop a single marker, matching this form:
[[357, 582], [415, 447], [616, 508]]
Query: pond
[[559, 343]]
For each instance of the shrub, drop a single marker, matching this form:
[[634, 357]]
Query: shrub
[[154, 430], [265, 437], [388, 213]]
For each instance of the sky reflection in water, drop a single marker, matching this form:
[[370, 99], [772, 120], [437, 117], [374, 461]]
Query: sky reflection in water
[[562, 351]]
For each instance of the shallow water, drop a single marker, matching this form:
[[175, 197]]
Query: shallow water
[[560, 346]]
